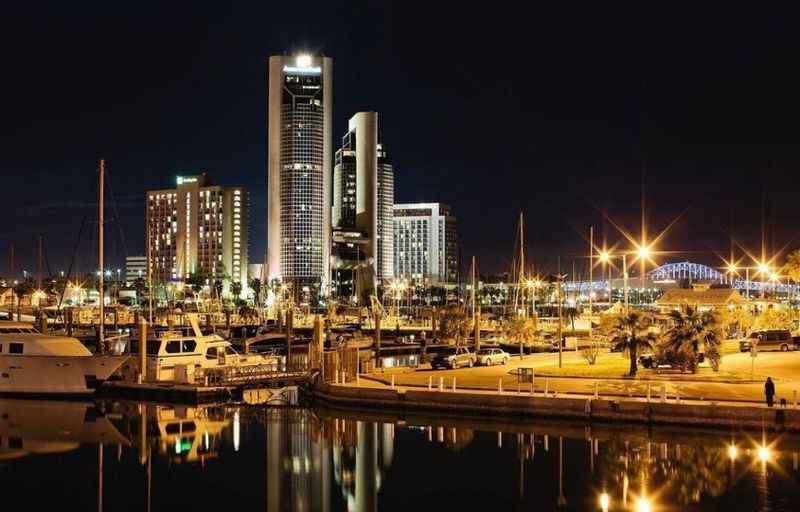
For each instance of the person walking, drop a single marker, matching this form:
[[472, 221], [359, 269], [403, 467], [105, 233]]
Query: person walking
[[769, 391]]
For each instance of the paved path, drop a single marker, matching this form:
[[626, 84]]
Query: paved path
[[783, 367]]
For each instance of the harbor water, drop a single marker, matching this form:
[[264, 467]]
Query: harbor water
[[134, 456]]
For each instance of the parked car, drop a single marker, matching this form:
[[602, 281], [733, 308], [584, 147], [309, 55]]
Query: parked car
[[492, 356], [773, 339], [650, 361], [453, 358]]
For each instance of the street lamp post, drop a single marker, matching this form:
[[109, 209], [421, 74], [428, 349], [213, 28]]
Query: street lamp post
[[625, 279]]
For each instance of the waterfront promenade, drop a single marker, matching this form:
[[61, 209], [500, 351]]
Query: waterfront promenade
[[730, 399]]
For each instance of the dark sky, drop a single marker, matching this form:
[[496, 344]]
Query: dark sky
[[560, 113]]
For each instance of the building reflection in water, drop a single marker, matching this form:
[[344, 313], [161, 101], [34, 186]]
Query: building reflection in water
[[321, 461], [306, 456]]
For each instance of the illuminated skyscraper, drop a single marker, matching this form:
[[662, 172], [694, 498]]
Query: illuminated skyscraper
[[299, 170], [198, 228], [363, 191], [425, 243]]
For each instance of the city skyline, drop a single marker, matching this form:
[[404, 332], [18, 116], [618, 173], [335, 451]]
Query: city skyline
[[574, 139]]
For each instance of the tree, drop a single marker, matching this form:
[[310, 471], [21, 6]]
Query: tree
[[195, 281], [236, 289], [773, 318], [792, 266], [735, 320], [630, 333], [21, 289], [521, 329], [690, 329], [255, 284], [453, 323]]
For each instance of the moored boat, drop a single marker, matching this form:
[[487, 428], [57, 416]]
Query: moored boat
[[32, 363]]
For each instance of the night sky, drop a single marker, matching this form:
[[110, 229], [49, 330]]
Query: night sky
[[562, 114]]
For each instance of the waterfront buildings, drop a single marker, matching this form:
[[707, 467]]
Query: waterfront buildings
[[135, 268], [425, 244], [198, 228], [299, 158], [363, 199]]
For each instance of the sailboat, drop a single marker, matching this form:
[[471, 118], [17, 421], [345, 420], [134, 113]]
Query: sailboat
[[36, 363]]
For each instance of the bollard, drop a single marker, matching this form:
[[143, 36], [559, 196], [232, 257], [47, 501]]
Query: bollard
[[358, 379], [519, 388], [648, 392], [454, 384], [499, 439], [546, 386], [531, 388], [392, 380], [677, 394], [500, 385], [336, 377], [430, 383], [794, 394], [441, 383], [596, 390], [663, 393]]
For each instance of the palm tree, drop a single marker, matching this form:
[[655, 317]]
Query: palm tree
[[630, 333], [793, 266], [690, 329]]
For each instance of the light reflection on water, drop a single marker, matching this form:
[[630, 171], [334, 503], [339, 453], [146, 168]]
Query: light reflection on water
[[148, 457]]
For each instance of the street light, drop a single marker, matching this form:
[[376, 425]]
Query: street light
[[605, 502], [605, 257]]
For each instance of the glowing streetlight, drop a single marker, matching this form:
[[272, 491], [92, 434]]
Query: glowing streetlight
[[643, 505], [604, 258], [733, 452], [643, 252], [764, 453], [605, 502], [763, 268]]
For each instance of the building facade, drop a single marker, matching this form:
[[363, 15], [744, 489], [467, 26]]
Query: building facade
[[363, 191], [299, 162], [425, 243], [135, 268], [198, 228]]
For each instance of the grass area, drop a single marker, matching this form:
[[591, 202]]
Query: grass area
[[614, 366]]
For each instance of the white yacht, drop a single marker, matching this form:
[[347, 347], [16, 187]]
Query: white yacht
[[36, 363], [175, 357]]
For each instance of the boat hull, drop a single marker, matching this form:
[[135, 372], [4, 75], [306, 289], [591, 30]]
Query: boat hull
[[55, 375]]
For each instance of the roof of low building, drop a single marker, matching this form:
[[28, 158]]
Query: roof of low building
[[705, 297]]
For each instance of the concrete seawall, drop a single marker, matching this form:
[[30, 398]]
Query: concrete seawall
[[520, 405]]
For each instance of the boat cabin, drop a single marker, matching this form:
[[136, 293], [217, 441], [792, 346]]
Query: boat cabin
[[20, 339]]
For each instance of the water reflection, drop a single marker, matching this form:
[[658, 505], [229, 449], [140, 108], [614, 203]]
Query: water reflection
[[146, 457]]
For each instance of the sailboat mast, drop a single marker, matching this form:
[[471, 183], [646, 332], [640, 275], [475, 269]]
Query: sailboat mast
[[100, 248], [149, 275]]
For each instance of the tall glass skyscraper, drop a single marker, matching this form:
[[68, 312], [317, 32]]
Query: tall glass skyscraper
[[299, 170], [363, 191]]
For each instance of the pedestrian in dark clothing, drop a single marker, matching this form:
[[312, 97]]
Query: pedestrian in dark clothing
[[769, 391]]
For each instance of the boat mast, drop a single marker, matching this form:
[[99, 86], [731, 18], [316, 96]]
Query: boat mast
[[101, 340], [149, 274]]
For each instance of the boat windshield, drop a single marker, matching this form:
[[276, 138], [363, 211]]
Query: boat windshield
[[18, 330]]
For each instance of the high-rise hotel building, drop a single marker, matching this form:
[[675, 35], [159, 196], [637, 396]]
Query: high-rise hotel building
[[299, 154], [363, 191], [425, 243], [198, 228]]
